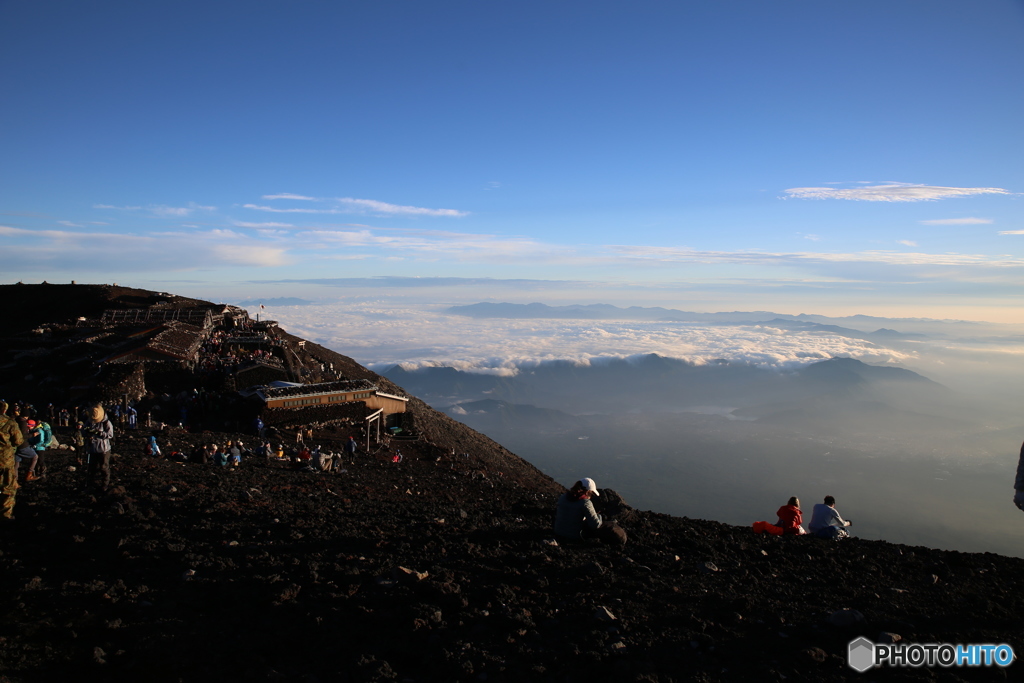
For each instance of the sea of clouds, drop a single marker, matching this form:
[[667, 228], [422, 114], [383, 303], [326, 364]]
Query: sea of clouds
[[382, 334]]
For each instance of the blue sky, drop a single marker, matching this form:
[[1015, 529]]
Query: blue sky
[[818, 157]]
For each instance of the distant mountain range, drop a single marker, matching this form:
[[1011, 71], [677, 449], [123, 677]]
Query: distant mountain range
[[279, 301], [658, 314], [652, 383]]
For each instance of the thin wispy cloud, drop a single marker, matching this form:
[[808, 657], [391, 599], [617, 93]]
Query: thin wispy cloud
[[289, 195], [374, 206], [891, 192], [1011, 232], [357, 206], [675, 254], [907, 243], [127, 252], [243, 224], [272, 209], [69, 224], [957, 221], [460, 246], [161, 210]]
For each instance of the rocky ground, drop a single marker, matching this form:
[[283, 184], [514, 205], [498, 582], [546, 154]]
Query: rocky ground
[[442, 568]]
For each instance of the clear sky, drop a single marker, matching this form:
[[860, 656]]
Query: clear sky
[[818, 157]]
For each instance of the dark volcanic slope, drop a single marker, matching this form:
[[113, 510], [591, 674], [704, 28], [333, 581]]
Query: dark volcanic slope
[[439, 569], [301, 576]]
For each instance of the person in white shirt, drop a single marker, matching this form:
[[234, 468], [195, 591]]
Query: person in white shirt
[[826, 522]]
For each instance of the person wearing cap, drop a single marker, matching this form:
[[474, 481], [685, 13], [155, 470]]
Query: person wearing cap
[[100, 432], [10, 439], [575, 516]]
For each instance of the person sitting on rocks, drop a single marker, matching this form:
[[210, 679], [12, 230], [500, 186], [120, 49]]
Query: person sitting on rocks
[[218, 456], [235, 453], [322, 459], [264, 451], [200, 455], [826, 522], [152, 448], [791, 517], [575, 516]]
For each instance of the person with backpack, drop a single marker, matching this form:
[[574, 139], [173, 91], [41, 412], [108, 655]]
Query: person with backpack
[[100, 434], [40, 437], [10, 439], [575, 516]]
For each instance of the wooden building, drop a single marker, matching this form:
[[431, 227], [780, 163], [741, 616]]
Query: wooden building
[[287, 395], [173, 340]]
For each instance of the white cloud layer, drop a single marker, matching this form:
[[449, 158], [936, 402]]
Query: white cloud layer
[[383, 335], [890, 192]]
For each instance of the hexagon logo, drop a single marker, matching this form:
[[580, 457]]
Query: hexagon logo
[[860, 654]]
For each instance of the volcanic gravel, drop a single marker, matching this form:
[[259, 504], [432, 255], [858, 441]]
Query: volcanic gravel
[[442, 568]]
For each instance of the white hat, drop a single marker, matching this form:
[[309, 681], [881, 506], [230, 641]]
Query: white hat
[[590, 486]]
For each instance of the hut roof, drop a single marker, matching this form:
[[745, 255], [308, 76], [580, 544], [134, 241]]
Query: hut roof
[[272, 392]]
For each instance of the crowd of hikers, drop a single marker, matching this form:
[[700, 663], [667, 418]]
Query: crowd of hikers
[[27, 435]]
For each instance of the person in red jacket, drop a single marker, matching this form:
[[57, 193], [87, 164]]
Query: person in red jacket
[[791, 517]]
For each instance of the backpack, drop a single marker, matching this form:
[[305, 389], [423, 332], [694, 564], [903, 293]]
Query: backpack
[[47, 440]]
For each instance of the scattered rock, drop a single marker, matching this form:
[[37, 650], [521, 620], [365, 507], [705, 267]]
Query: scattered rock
[[846, 617]]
